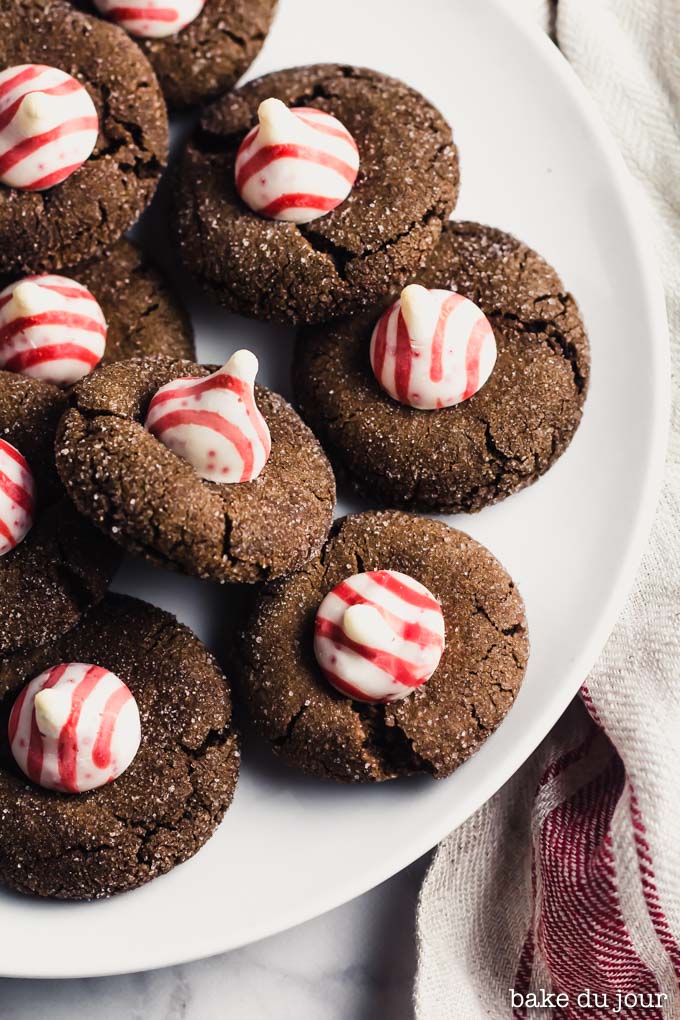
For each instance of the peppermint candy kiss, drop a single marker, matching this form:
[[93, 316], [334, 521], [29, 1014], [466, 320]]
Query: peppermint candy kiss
[[296, 164], [378, 636], [214, 422], [151, 19], [48, 126], [432, 348], [50, 328], [74, 727], [17, 497]]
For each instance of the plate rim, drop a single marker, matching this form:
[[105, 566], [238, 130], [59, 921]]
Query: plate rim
[[651, 287]]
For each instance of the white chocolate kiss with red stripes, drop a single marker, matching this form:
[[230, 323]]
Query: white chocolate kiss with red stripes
[[48, 126], [296, 164], [378, 636], [432, 348], [214, 422], [51, 328], [17, 497], [74, 727], [151, 19]]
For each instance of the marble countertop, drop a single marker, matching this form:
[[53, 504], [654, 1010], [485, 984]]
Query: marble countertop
[[357, 961]]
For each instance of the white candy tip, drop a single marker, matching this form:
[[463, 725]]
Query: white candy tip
[[420, 310], [366, 625], [243, 365], [36, 106], [28, 297], [414, 292], [52, 709], [272, 110], [276, 122], [414, 300]]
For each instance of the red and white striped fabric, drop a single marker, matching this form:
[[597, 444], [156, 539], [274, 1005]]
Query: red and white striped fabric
[[550, 901], [297, 164], [378, 635], [17, 497], [74, 727], [214, 422], [48, 126], [51, 328], [151, 19], [432, 348]]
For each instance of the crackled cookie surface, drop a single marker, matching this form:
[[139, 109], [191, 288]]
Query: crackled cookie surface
[[143, 315], [166, 804], [207, 55], [81, 217], [63, 565], [501, 438], [153, 502], [444, 720], [351, 256]]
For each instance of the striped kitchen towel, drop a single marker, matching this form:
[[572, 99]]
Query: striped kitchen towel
[[560, 898]]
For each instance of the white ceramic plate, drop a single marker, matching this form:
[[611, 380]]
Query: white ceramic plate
[[537, 161]]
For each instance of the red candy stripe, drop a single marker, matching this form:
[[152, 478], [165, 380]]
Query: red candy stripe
[[151, 20], [50, 328], [214, 423], [296, 164], [17, 497], [392, 649], [101, 752], [90, 736], [48, 126], [432, 349], [143, 14]]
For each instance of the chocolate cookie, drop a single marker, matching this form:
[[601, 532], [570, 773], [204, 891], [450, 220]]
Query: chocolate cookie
[[84, 215], [209, 55], [64, 565], [153, 502], [348, 258], [433, 730], [503, 438], [143, 316], [167, 803]]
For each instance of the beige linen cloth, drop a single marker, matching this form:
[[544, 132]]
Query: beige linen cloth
[[568, 881]]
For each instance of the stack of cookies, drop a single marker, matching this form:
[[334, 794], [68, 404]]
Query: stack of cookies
[[439, 367]]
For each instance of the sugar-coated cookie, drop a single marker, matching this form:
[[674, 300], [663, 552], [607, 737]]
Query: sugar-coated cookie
[[282, 673], [101, 197], [59, 327], [168, 801], [501, 435], [198, 48], [134, 483], [356, 253]]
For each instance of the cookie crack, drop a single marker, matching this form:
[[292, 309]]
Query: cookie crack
[[482, 728], [492, 446], [342, 258], [515, 628], [239, 40], [388, 743], [214, 738], [292, 723], [73, 586], [550, 333], [263, 570], [145, 162]]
